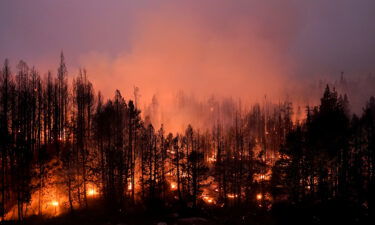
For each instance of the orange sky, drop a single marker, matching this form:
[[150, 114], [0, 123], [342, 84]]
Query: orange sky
[[242, 49]]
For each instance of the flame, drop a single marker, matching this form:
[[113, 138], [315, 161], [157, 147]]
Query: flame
[[208, 200], [130, 186], [259, 196], [173, 186], [259, 177], [232, 196], [92, 192], [92, 189], [55, 203], [211, 160]]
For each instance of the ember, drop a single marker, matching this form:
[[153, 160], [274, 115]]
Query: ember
[[232, 196]]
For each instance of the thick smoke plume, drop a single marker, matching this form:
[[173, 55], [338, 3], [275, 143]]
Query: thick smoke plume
[[241, 50]]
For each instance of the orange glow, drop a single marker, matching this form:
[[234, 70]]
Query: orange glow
[[173, 186], [232, 196], [263, 177], [130, 186], [55, 203], [92, 192], [211, 160], [259, 196], [222, 61], [208, 200]]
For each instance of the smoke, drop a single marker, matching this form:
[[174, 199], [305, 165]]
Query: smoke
[[211, 48], [242, 49], [214, 48]]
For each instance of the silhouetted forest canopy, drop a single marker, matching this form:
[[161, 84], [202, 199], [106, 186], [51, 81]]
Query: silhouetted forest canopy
[[65, 148]]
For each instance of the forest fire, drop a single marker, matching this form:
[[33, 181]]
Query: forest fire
[[47, 202], [263, 177], [232, 196], [156, 164], [211, 159], [187, 112], [92, 192], [173, 186], [55, 203], [208, 200]]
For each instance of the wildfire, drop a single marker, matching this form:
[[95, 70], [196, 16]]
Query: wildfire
[[173, 186], [232, 196], [130, 186], [55, 203], [208, 200], [262, 177], [211, 159], [259, 196], [92, 192]]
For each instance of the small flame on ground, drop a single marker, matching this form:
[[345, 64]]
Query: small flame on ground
[[259, 196], [232, 196], [208, 200]]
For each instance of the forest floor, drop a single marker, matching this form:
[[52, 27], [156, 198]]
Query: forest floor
[[176, 214], [328, 213]]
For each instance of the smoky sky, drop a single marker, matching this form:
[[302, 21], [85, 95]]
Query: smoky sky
[[238, 47]]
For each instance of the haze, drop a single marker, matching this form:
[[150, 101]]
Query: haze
[[241, 49]]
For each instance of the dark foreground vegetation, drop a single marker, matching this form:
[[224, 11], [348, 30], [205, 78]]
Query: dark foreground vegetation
[[331, 212], [69, 157]]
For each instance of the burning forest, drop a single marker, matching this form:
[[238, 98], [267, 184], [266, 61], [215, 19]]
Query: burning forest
[[65, 148], [183, 112]]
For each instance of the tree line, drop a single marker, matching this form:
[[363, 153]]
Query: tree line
[[53, 134]]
